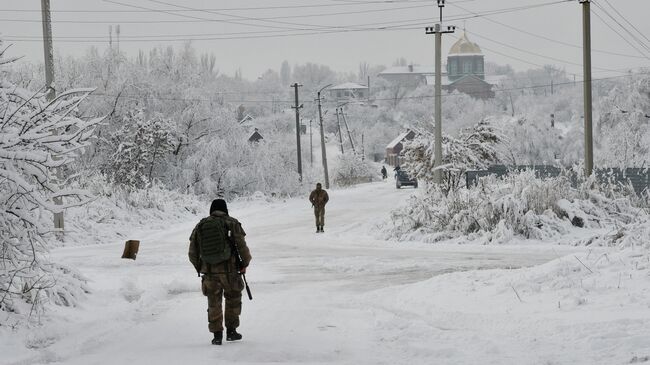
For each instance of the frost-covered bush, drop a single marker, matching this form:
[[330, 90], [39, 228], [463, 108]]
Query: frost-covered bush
[[117, 211], [632, 235], [351, 169], [37, 138], [497, 209]]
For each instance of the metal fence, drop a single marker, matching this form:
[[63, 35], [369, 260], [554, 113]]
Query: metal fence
[[638, 178]]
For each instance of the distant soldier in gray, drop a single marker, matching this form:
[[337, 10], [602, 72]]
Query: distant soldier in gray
[[318, 199], [212, 254]]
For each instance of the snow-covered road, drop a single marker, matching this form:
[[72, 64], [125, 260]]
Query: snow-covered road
[[318, 298]]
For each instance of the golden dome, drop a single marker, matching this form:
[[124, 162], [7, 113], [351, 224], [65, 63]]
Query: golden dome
[[464, 46]]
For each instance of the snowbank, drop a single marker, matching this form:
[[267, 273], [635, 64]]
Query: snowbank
[[589, 308]]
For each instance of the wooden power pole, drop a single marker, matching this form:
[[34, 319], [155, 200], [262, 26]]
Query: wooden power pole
[[322, 139], [297, 107], [437, 151], [50, 92], [586, 54]]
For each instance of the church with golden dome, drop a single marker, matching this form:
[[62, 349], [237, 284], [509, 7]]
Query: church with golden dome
[[465, 58], [465, 72]]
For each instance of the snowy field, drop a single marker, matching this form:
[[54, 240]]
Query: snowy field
[[348, 297]]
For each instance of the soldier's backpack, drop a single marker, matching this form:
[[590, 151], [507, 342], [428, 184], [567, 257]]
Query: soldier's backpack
[[213, 241]]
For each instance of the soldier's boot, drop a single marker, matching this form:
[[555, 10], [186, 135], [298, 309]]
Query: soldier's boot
[[232, 335], [321, 229], [218, 338], [317, 229]]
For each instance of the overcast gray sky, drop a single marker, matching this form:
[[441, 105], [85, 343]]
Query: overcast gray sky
[[255, 35]]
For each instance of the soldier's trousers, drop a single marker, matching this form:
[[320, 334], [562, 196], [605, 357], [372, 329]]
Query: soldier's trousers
[[219, 286], [319, 212]]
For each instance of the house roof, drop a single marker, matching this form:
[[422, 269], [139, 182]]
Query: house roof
[[399, 139], [491, 79], [464, 46], [431, 80], [255, 136], [495, 79], [246, 118], [348, 86], [412, 70]]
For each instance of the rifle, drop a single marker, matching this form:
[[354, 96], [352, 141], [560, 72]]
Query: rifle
[[240, 263]]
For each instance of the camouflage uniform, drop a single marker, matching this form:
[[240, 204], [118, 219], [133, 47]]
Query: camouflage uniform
[[222, 280], [318, 199]]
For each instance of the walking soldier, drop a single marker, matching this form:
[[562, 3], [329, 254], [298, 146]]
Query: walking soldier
[[213, 246], [318, 199]]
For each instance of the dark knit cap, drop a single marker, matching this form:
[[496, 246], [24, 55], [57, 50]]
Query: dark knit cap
[[219, 204]]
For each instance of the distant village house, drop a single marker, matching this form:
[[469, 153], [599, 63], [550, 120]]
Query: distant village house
[[395, 147], [349, 91], [256, 136]]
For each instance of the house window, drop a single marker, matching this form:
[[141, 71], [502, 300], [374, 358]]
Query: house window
[[339, 94], [467, 67], [479, 66], [453, 68]]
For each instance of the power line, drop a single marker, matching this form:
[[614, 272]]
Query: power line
[[634, 36], [539, 86], [218, 20], [617, 32], [188, 16], [288, 102], [348, 27], [538, 54], [627, 21], [228, 9], [542, 36], [256, 19], [286, 32]]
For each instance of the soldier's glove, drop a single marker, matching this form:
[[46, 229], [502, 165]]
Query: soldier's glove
[[243, 270]]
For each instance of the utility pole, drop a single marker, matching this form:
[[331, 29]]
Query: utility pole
[[322, 139], [363, 149], [348, 129], [297, 107], [551, 86], [437, 30], [50, 92], [586, 54], [311, 145], [338, 123], [368, 89]]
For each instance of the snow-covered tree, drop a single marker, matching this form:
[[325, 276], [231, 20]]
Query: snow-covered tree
[[141, 145], [624, 124], [37, 139], [475, 148], [351, 169], [285, 73]]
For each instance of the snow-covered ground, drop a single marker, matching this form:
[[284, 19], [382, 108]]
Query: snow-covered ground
[[348, 297]]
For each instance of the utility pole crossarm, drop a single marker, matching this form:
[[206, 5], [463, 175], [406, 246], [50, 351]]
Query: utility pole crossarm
[[438, 29]]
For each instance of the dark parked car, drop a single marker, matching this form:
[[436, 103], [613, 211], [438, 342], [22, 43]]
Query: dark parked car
[[403, 179]]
